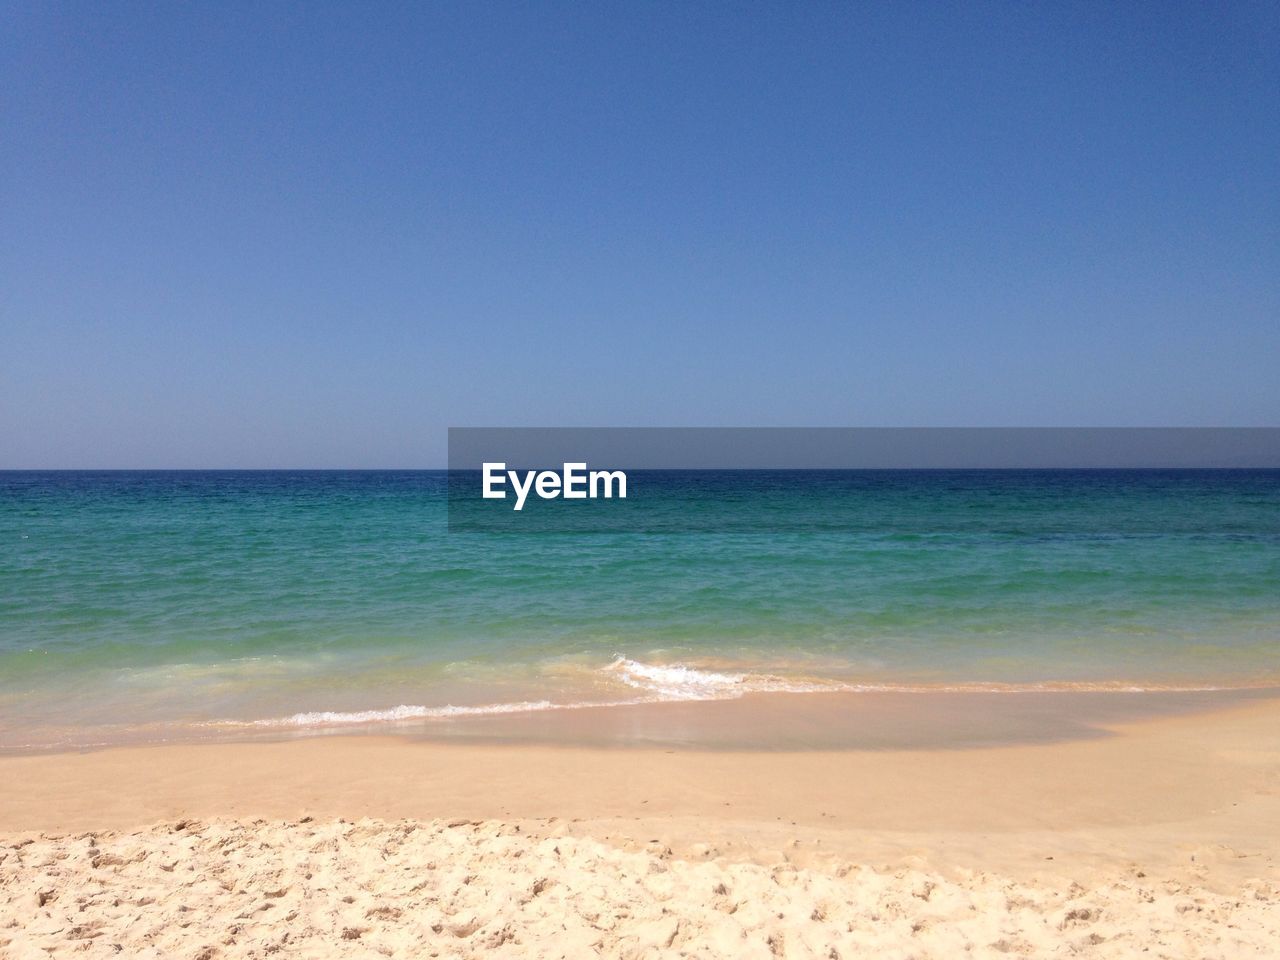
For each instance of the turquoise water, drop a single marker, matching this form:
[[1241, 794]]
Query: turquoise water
[[175, 602]]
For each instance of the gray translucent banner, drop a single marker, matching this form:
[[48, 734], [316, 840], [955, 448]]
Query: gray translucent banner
[[1036, 481]]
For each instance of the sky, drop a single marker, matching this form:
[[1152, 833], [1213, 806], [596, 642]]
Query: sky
[[318, 235]]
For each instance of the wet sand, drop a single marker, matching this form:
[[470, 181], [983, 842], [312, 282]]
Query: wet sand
[[872, 720]]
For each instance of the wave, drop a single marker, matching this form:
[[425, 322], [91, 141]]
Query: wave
[[681, 682], [678, 682], [336, 718]]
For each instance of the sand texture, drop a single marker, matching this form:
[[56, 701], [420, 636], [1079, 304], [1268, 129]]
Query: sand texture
[[490, 889]]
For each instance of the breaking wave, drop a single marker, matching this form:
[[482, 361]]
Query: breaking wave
[[677, 682]]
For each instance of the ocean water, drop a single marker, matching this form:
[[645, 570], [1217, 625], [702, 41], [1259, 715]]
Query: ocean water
[[162, 605]]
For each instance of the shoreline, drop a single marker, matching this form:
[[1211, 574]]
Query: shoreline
[[871, 719]]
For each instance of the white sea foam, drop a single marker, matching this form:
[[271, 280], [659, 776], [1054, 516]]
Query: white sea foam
[[656, 682], [322, 718], [673, 682], [680, 682], [335, 718]]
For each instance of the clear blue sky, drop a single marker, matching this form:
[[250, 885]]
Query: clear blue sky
[[317, 235]]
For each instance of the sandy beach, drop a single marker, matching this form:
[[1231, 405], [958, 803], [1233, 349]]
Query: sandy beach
[[1152, 837], [488, 481]]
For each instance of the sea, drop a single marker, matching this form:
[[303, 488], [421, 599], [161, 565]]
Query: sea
[[150, 606]]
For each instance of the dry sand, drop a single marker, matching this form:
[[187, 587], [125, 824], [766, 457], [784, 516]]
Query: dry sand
[[1158, 839], [374, 889]]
